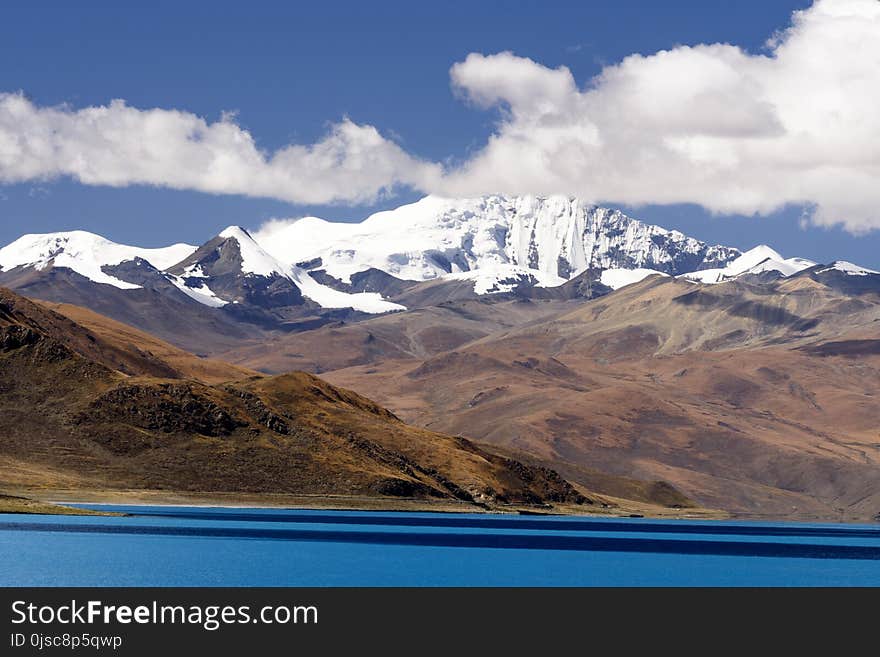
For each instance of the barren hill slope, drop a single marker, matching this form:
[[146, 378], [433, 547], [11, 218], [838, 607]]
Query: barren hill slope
[[69, 415], [759, 399], [124, 338]]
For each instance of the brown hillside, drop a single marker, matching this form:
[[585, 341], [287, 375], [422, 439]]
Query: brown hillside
[[124, 339], [69, 416], [760, 400], [419, 333]]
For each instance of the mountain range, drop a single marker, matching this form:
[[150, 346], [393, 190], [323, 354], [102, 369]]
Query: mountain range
[[311, 272], [110, 408], [636, 361]]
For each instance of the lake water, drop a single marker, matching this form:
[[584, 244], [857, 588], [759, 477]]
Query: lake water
[[190, 546]]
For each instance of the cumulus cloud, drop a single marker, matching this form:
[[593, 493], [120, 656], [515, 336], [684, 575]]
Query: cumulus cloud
[[711, 124], [119, 145], [715, 125]]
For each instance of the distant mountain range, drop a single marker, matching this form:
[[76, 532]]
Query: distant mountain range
[[312, 272], [494, 241]]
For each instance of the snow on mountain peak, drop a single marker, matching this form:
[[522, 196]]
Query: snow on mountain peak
[[196, 282], [754, 257], [254, 259], [498, 242], [556, 235], [848, 268], [236, 232], [86, 254], [760, 259]]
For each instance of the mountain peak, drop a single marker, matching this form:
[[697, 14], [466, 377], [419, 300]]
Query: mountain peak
[[557, 236], [235, 232], [759, 253], [254, 259], [849, 268], [84, 253], [234, 268], [757, 260]]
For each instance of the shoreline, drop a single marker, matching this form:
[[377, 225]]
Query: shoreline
[[172, 499], [20, 505], [59, 501]]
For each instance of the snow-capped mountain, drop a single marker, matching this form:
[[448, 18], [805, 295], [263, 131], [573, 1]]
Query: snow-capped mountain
[[234, 268], [848, 268], [230, 269], [555, 238], [758, 260], [846, 277], [434, 250], [87, 254]]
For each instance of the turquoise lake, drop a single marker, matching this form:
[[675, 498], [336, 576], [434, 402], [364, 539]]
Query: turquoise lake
[[194, 546]]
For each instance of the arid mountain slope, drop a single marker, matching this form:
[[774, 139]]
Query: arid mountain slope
[[68, 415], [125, 339], [662, 316], [157, 307], [759, 399], [420, 333]]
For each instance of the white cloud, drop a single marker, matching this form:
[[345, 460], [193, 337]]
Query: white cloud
[[119, 145], [712, 124], [709, 124]]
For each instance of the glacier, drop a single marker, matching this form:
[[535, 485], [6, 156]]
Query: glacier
[[558, 236]]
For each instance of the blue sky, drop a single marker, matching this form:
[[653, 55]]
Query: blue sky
[[288, 70]]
